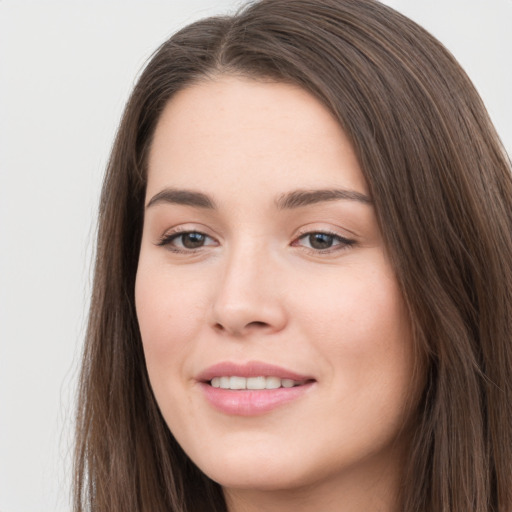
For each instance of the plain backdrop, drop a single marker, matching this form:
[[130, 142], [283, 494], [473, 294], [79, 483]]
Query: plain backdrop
[[66, 69]]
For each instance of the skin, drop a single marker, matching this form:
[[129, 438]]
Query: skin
[[259, 289]]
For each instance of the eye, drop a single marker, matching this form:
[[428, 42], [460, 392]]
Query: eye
[[186, 241], [323, 242]]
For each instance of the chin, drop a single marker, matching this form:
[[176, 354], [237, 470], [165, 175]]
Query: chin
[[264, 470], [258, 478]]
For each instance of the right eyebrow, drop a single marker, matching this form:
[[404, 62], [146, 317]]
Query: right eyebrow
[[182, 196]]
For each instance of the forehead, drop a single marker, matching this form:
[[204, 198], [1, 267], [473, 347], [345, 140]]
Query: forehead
[[237, 132]]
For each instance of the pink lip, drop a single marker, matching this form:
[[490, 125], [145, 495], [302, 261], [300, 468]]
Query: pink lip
[[251, 402], [250, 369]]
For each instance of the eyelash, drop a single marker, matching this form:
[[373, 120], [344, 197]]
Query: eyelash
[[342, 242]]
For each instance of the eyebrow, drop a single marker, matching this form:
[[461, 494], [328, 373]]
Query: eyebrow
[[182, 196], [299, 198], [290, 200]]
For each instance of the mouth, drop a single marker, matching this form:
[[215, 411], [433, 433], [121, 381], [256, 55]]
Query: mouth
[[253, 388], [254, 383]]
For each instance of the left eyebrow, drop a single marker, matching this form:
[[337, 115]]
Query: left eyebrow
[[299, 198]]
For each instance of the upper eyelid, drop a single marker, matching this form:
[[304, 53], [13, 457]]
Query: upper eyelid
[[325, 227], [329, 233], [188, 228], [176, 234]]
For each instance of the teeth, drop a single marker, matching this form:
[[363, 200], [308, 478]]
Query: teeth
[[253, 382], [273, 383], [256, 383], [237, 383]]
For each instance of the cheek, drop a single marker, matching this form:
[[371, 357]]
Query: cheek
[[357, 312], [168, 313], [360, 327]]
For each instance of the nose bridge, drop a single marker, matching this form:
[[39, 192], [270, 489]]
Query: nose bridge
[[247, 297]]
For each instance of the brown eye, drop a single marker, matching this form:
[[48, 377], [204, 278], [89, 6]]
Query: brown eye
[[192, 240], [320, 241]]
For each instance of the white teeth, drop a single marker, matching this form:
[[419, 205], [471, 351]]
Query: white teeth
[[287, 383], [235, 382], [273, 383], [256, 383]]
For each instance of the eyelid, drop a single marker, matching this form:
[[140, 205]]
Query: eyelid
[[327, 228]]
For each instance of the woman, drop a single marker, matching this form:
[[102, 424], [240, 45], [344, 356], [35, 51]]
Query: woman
[[303, 282]]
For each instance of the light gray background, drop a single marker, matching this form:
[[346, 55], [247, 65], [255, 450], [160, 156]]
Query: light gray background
[[66, 69]]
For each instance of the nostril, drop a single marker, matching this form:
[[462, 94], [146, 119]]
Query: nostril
[[257, 324]]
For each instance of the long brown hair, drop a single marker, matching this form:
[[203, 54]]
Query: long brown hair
[[442, 188]]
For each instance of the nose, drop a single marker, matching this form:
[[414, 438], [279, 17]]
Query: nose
[[248, 298]]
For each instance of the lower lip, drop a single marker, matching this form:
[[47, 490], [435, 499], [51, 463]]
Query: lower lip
[[250, 402]]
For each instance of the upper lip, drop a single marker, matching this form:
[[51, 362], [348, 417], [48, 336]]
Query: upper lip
[[249, 369]]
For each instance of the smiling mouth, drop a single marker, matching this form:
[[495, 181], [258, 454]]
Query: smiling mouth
[[252, 389], [254, 383]]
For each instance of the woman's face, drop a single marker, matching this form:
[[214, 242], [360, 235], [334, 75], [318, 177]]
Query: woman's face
[[262, 266]]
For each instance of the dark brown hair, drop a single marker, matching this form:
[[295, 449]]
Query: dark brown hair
[[442, 189]]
